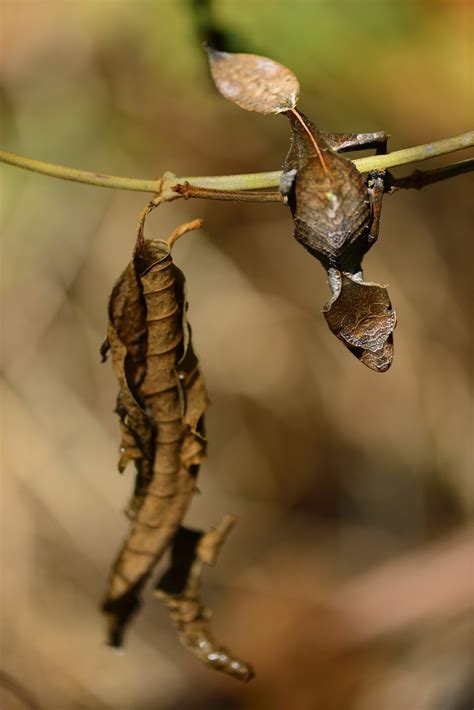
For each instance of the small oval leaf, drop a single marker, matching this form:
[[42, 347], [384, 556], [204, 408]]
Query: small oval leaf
[[254, 83]]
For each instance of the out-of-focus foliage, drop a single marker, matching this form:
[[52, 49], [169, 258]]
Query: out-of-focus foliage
[[334, 471]]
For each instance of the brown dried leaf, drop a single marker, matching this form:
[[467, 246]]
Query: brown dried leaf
[[126, 338], [161, 404], [180, 588], [254, 83], [163, 434], [360, 314]]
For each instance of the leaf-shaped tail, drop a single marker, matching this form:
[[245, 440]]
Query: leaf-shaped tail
[[360, 314]]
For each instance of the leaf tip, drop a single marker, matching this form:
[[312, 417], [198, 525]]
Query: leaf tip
[[213, 54]]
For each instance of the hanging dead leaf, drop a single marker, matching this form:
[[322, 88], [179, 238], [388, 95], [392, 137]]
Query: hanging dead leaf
[[161, 405], [361, 316], [254, 83], [153, 360]]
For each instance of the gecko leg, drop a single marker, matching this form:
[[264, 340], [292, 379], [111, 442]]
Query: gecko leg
[[343, 142], [375, 188], [375, 192], [287, 181]]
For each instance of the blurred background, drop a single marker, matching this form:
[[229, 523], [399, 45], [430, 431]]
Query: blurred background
[[348, 580]]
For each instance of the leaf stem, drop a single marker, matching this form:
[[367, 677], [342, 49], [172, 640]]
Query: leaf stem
[[184, 229], [251, 181], [313, 140]]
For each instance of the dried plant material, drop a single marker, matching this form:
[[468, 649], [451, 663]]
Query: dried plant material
[[254, 83], [180, 589], [361, 316], [337, 216], [161, 405], [182, 230]]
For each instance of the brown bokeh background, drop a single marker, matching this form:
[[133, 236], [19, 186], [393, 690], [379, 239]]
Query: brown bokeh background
[[347, 580]]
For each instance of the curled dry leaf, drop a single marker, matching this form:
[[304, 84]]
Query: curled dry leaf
[[254, 83], [179, 589], [361, 316], [161, 405]]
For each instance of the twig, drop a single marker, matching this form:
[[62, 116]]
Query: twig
[[420, 178], [88, 178], [187, 190], [419, 152], [232, 183]]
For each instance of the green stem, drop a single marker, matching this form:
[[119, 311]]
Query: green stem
[[88, 178], [245, 181], [364, 165], [250, 181], [419, 152]]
